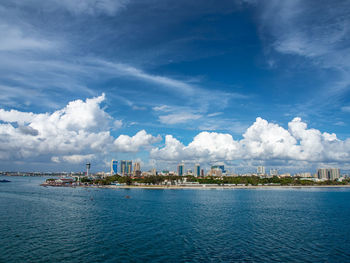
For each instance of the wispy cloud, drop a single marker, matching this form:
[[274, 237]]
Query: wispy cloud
[[13, 38], [346, 108], [129, 71], [81, 7], [177, 118]]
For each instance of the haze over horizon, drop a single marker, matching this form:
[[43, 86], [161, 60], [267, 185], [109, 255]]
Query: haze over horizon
[[243, 82]]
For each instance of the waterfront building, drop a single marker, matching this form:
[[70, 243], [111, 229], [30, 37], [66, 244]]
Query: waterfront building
[[273, 172], [88, 165], [328, 173], [137, 169], [154, 171], [303, 175], [137, 166], [129, 167], [180, 169], [219, 166], [215, 172], [122, 167], [197, 170], [202, 172], [114, 167], [284, 175], [260, 170]]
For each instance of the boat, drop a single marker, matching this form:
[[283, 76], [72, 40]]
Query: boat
[[4, 181]]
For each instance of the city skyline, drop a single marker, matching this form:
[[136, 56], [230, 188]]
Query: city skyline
[[245, 83]]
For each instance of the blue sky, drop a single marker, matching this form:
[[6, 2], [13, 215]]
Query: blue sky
[[174, 69]]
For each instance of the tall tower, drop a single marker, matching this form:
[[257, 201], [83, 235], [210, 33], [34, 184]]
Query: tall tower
[[114, 167], [260, 170], [180, 169], [197, 170], [137, 169], [122, 167], [88, 165], [128, 167]]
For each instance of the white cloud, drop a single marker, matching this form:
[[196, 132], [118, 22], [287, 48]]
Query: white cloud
[[88, 7], [78, 132], [142, 139], [78, 127], [162, 108], [346, 108], [177, 118], [317, 31], [118, 124], [13, 38], [261, 141], [93, 7], [214, 114], [173, 150], [55, 159], [78, 158], [178, 86]]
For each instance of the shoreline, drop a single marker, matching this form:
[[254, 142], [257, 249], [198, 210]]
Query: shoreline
[[200, 187]]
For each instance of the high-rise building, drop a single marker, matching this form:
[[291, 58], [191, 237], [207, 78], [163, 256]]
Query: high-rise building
[[215, 172], [202, 172], [328, 173], [123, 167], [197, 170], [219, 166], [137, 166], [154, 171], [88, 165], [180, 169], [273, 172], [114, 167], [137, 169], [129, 167], [260, 170]]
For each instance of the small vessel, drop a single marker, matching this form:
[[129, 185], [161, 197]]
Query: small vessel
[[4, 181]]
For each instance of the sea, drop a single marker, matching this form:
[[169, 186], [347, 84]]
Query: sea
[[63, 224]]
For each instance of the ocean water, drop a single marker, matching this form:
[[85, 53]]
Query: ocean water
[[46, 224]]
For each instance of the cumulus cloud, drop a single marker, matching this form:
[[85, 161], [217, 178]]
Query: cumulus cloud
[[78, 158], [118, 124], [125, 143], [76, 133], [76, 128], [261, 141]]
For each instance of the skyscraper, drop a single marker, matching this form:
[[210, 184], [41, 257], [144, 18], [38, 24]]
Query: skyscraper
[[180, 169], [273, 172], [260, 170], [328, 173], [137, 166], [128, 167], [137, 169], [123, 167], [197, 170], [219, 166], [114, 167]]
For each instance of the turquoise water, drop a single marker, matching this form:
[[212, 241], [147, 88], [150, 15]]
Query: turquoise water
[[43, 224]]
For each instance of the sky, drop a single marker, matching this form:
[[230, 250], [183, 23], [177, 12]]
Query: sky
[[244, 83]]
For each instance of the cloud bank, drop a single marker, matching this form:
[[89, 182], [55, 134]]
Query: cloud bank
[[81, 131], [78, 132], [261, 141]]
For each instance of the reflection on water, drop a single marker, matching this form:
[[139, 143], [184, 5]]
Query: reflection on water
[[43, 224]]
